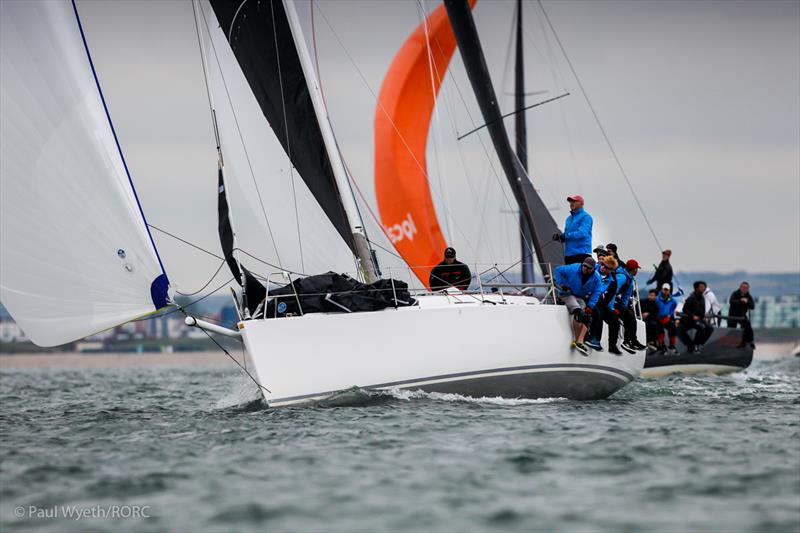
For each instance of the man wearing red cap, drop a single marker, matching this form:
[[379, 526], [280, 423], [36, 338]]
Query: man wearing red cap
[[577, 236], [630, 343]]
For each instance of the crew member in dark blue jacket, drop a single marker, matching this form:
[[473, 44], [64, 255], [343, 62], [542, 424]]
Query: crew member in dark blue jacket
[[579, 288], [650, 317], [629, 343], [577, 235]]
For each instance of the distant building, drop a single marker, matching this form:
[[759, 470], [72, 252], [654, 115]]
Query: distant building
[[11, 332], [777, 312]]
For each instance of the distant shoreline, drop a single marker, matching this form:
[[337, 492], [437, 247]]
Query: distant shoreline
[[113, 360]]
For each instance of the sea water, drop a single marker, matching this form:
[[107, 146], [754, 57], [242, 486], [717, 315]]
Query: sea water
[[193, 449]]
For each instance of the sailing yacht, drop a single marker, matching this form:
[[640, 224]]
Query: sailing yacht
[[72, 267]]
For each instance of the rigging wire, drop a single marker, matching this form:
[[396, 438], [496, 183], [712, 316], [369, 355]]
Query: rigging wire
[[494, 171], [480, 202], [241, 137], [201, 289], [437, 140], [232, 358], [286, 132], [375, 97], [237, 249], [602, 129]]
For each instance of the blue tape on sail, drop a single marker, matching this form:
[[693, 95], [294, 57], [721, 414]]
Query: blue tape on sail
[[158, 291]]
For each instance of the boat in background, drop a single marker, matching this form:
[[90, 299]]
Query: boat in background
[[720, 354]]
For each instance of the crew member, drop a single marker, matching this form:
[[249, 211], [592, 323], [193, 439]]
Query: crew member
[[605, 311], [612, 251], [600, 252], [579, 288], [666, 319], [663, 273], [650, 317], [577, 235], [450, 273], [693, 317], [741, 302], [713, 306], [629, 343]]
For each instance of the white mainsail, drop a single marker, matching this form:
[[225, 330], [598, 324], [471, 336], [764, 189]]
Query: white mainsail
[[77, 257], [276, 216]]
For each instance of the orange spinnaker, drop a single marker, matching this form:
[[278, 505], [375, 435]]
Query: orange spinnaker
[[402, 122]]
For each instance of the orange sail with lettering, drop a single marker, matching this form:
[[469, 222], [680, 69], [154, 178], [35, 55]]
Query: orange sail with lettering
[[402, 122]]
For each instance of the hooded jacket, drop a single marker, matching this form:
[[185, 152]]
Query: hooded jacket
[[586, 287], [578, 233]]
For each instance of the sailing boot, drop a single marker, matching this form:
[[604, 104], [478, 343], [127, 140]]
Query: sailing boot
[[581, 348], [613, 349], [626, 345]]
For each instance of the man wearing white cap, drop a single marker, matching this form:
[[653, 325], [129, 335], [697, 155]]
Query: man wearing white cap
[[577, 235]]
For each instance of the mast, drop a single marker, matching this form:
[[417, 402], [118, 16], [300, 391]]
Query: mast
[[521, 133], [532, 209], [362, 249]]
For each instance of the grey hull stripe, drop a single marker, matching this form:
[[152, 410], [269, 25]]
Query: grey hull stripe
[[621, 373]]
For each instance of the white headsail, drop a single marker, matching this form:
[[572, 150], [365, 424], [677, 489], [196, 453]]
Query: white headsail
[[77, 257]]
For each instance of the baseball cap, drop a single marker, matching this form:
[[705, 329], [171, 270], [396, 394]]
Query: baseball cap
[[631, 264], [665, 286], [449, 252], [589, 262], [575, 198], [667, 251]]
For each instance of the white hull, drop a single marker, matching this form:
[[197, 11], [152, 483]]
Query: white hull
[[514, 348]]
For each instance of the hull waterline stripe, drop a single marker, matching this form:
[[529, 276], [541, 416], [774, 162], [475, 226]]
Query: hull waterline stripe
[[487, 373], [116, 140]]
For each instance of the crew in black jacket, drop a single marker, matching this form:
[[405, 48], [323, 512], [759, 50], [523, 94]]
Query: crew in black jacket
[[650, 316], [693, 317], [450, 273], [663, 273], [741, 302]]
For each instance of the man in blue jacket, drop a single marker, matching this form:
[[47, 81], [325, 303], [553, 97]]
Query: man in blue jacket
[[577, 235], [629, 343], [579, 288], [611, 281], [666, 317]]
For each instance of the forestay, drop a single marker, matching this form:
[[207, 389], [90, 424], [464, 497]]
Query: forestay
[[77, 257]]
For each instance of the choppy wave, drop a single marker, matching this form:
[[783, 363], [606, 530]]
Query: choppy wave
[[201, 450]]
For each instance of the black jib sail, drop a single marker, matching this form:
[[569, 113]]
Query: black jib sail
[[532, 208], [260, 36], [254, 292]]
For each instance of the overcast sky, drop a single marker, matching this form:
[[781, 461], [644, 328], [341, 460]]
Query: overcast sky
[[701, 101]]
